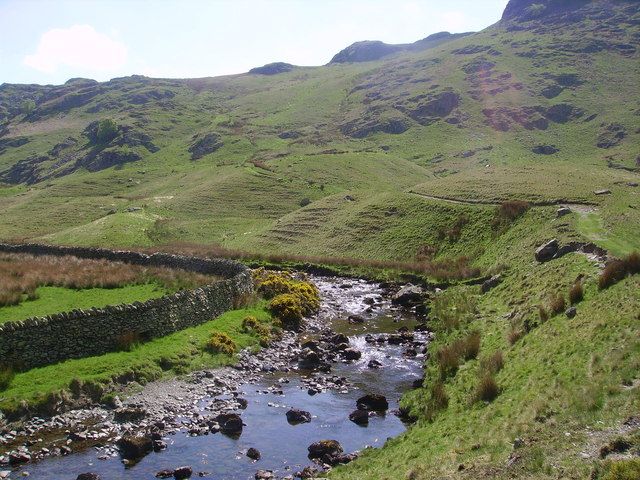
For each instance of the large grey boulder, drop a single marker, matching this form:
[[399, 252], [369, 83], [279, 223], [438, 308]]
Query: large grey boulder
[[547, 251], [408, 295]]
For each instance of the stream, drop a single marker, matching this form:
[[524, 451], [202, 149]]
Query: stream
[[262, 388]]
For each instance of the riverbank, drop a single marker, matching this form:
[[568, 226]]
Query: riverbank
[[186, 407]]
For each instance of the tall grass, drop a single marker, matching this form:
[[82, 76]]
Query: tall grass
[[618, 270], [444, 270], [507, 213], [22, 274]]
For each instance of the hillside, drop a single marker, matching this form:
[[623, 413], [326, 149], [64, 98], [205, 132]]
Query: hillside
[[544, 111], [456, 152]]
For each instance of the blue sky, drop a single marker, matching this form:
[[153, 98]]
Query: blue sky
[[52, 41]]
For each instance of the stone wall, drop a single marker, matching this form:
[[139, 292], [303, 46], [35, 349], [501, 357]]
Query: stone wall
[[81, 333]]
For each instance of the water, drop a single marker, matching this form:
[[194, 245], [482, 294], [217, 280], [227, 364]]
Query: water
[[283, 446]]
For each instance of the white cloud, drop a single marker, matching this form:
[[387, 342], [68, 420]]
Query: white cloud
[[78, 47]]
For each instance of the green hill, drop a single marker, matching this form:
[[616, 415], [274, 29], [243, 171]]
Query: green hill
[[392, 153]]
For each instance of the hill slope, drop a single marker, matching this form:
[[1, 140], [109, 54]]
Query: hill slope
[[542, 109]]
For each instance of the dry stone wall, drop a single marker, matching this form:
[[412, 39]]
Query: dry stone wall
[[81, 333]]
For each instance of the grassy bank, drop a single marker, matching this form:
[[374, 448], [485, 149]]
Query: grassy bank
[[50, 300], [177, 353], [560, 391]]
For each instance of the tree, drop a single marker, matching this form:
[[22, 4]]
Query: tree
[[27, 106], [107, 131]]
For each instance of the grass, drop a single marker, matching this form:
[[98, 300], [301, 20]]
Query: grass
[[564, 377], [52, 300], [177, 353]]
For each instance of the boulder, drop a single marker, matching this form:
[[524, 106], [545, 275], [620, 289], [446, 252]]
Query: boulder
[[204, 145], [253, 454], [309, 359], [295, 416], [354, 319], [133, 448], [181, 473], [230, 423], [129, 414], [373, 363], [562, 211], [492, 282], [547, 251], [571, 312], [544, 149], [166, 473], [372, 402], [324, 447], [351, 354], [264, 475], [359, 417], [408, 295], [604, 191], [88, 476]]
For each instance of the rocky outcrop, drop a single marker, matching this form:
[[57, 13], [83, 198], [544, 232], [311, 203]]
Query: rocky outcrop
[[611, 135], [545, 149], [272, 68], [204, 145], [324, 448], [368, 50], [433, 107], [363, 127], [525, 10], [133, 448], [546, 251]]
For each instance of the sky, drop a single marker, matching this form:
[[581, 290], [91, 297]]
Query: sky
[[50, 41]]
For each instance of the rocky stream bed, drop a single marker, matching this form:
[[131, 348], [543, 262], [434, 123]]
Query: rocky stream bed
[[269, 416]]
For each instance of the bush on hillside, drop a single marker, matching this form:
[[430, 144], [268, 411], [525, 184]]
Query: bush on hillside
[[543, 313], [507, 213], [487, 389], [220, 342], [618, 270], [107, 131], [576, 293], [288, 309], [557, 304], [493, 363], [448, 362]]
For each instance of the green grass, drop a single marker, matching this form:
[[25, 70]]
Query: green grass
[[59, 299], [563, 384], [177, 353]]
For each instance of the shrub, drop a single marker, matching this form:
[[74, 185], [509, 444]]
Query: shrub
[[543, 313], [439, 397], [107, 131], [220, 342], [617, 270], [471, 345], [632, 263], [627, 469], [514, 335], [557, 304], [287, 308], [487, 389], [6, 377], [493, 363], [576, 293], [448, 361], [253, 326], [507, 213]]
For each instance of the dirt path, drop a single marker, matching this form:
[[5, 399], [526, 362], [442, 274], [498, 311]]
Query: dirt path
[[583, 207]]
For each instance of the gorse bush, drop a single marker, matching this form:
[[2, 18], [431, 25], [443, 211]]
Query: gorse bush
[[291, 299], [220, 342], [618, 270], [253, 326]]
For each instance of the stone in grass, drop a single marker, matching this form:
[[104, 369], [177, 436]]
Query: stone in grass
[[547, 251], [571, 312]]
